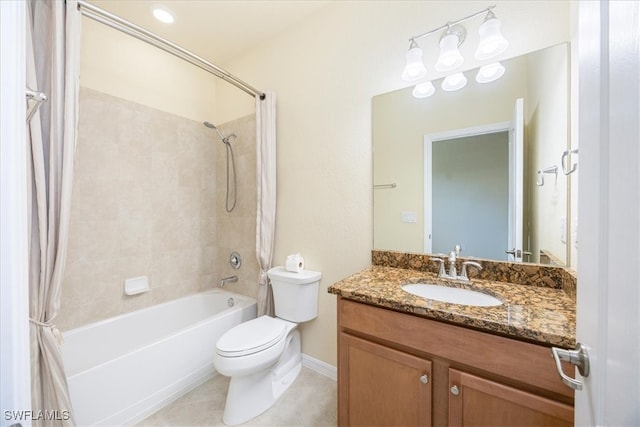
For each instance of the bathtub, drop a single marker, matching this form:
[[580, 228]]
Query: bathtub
[[121, 370]]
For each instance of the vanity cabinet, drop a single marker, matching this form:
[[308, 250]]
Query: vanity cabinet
[[384, 386], [477, 401], [399, 369]]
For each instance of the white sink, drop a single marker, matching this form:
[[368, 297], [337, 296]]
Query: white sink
[[451, 295]]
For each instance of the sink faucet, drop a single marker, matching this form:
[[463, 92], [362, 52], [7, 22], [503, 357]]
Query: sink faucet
[[453, 256], [453, 271], [463, 275], [230, 279]]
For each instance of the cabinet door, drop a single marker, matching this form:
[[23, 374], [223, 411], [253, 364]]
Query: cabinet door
[[380, 386], [475, 401]]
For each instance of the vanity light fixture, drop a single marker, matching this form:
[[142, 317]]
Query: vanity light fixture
[[450, 57], [454, 82], [492, 43], [423, 90], [414, 69], [162, 14], [490, 72]]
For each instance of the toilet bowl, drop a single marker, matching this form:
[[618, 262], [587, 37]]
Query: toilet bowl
[[263, 356]]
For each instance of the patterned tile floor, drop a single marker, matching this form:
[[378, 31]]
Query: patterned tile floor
[[310, 401]]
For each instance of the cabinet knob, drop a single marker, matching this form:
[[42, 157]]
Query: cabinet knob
[[424, 379], [455, 390]]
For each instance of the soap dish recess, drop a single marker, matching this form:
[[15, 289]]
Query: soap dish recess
[[136, 285]]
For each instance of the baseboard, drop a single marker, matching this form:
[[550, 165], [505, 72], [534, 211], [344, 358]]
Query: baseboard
[[319, 366]]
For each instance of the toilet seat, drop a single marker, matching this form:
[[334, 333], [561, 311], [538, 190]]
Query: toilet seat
[[251, 337]]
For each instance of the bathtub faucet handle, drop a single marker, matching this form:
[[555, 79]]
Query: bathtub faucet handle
[[230, 279]]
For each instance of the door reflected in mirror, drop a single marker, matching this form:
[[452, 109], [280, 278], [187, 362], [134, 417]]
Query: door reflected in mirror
[[437, 185], [469, 174]]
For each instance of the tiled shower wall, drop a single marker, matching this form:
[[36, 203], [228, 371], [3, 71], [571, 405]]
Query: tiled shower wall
[[148, 200]]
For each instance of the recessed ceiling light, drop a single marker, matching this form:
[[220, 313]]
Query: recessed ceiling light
[[163, 14]]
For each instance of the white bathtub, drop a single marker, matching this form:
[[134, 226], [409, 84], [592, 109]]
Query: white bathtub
[[121, 370]]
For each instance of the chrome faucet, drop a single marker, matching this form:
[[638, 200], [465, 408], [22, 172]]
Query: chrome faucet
[[463, 275], [441, 271], [453, 271], [453, 256], [230, 279]]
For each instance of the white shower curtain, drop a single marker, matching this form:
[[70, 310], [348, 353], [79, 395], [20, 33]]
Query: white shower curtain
[[53, 50], [266, 215]]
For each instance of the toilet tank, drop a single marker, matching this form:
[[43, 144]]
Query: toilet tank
[[295, 295]]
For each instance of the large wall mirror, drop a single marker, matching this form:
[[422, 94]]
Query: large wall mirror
[[481, 167]]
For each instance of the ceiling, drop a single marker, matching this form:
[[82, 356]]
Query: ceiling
[[217, 30]]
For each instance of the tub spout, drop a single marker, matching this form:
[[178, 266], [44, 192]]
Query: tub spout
[[230, 279]]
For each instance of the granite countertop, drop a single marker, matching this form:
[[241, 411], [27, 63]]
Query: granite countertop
[[533, 313]]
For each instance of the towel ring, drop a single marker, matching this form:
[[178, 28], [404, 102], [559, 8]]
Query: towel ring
[[564, 162]]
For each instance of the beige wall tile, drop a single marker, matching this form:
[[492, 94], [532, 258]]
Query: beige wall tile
[[148, 200]]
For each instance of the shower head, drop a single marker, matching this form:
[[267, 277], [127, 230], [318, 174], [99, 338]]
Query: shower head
[[212, 126], [230, 157]]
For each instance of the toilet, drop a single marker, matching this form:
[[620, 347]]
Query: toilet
[[262, 356]]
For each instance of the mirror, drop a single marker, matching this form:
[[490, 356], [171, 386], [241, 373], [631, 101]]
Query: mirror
[[448, 169]]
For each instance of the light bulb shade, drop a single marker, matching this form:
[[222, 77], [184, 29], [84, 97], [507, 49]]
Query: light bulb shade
[[489, 73], [414, 69], [454, 82], [450, 57], [492, 42], [423, 90]]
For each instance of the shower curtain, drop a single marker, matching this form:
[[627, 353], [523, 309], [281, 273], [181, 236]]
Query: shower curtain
[[266, 217], [53, 50]]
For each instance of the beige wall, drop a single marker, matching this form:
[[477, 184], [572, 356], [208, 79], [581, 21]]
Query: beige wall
[[547, 138], [573, 119], [325, 70], [120, 65], [149, 184], [148, 200]]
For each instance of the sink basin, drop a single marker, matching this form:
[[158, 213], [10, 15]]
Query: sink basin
[[451, 295]]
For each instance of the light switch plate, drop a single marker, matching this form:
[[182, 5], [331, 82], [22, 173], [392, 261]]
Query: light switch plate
[[409, 217]]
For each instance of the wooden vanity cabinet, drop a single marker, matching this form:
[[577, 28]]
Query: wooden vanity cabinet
[[403, 370], [476, 401], [386, 387]]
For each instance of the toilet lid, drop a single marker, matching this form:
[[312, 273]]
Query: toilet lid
[[251, 337]]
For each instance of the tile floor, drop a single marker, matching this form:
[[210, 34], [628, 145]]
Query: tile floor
[[310, 401]]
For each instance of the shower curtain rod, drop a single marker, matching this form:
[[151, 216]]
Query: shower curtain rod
[[115, 22]]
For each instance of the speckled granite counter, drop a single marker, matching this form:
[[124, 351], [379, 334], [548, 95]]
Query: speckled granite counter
[[535, 313]]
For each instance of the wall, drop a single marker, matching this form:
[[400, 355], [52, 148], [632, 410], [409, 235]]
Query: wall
[[148, 200], [547, 135], [573, 130], [120, 65], [149, 185], [325, 71]]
